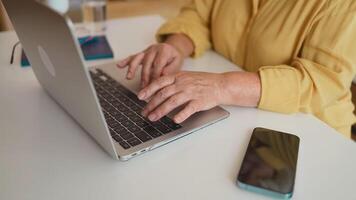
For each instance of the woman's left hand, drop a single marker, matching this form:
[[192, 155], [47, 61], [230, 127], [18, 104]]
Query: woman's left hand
[[197, 91]]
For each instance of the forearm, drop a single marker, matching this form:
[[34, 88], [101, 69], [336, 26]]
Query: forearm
[[182, 43], [241, 89]]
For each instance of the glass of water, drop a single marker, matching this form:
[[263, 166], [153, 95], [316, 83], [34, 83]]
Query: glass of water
[[94, 16]]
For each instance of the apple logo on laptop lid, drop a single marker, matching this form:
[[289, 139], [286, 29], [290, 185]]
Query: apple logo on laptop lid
[[46, 61]]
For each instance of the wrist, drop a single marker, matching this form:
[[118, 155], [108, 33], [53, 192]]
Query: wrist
[[241, 89], [177, 48], [181, 43], [225, 94]]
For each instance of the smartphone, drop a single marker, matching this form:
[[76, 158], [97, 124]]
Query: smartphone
[[270, 164]]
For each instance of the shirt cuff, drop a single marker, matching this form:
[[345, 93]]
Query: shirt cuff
[[198, 36], [280, 89]]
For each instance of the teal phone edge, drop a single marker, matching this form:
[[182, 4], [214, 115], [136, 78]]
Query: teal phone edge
[[260, 190], [265, 192]]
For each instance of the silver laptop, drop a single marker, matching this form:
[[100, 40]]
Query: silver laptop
[[93, 97]]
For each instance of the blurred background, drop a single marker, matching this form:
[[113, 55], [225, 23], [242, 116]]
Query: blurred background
[[115, 9]]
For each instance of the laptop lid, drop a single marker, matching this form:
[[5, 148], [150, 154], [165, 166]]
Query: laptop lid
[[58, 64]]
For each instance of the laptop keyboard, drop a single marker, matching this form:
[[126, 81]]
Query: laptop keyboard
[[122, 111]]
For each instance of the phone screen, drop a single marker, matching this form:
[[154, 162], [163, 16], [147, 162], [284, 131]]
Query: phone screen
[[270, 162]]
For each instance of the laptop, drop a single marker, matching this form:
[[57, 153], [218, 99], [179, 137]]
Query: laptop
[[94, 97]]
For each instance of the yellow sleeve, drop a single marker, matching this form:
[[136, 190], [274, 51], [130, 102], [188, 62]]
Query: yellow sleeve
[[322, 74], [193, 21]]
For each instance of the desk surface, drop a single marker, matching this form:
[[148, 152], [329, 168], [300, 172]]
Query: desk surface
[[44, 154]]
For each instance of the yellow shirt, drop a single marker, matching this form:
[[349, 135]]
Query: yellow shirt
[[303, 50]]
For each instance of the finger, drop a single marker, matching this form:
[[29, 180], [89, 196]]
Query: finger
[[156, 85], [134, 63], [161, 61], [146, 68], [159, 98], [167, 106], [191, 108], [171, 68], [123, 63]]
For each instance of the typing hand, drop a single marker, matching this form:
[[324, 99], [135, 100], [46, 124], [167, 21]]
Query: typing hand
[[197, 91], [156, 61]]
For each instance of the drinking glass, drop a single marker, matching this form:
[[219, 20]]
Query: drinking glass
[[94, 16]]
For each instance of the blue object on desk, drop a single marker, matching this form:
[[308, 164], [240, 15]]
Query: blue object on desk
[[24, 60], [96, 48], [93, 48]]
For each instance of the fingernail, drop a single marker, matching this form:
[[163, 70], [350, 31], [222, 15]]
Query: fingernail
[[177, 120], [152, 117], [141, 95]]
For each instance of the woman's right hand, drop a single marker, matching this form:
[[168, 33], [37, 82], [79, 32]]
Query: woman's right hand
[[157, 60]]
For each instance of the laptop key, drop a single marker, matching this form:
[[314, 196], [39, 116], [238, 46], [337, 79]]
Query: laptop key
[[121, 107], [105, 105], [120, 118], [142, 123], [130, 94], [117, 94], [117, 138], [105, 95], [106, 85], [164, 129], [114, 112], [134, 141], [134, 128], [129, 104], [124, 144], [111, 100], [120, 129], [114, 124], [117, 126], [99, 91], [112, 91], [136, 118], [112, 132], [109, 120], [167, 121], [144, 137], [109, 108], [141, 103], [107, 116], [137, 109], [134, 98], [174, 126], [152, 131], [130, 114], [127, 123], [161, 127], [126, 136]]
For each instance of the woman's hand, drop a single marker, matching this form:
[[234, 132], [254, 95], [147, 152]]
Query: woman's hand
[[156, 60], [197, 91]]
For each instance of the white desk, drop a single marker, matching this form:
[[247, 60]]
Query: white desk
[[44, 154]]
